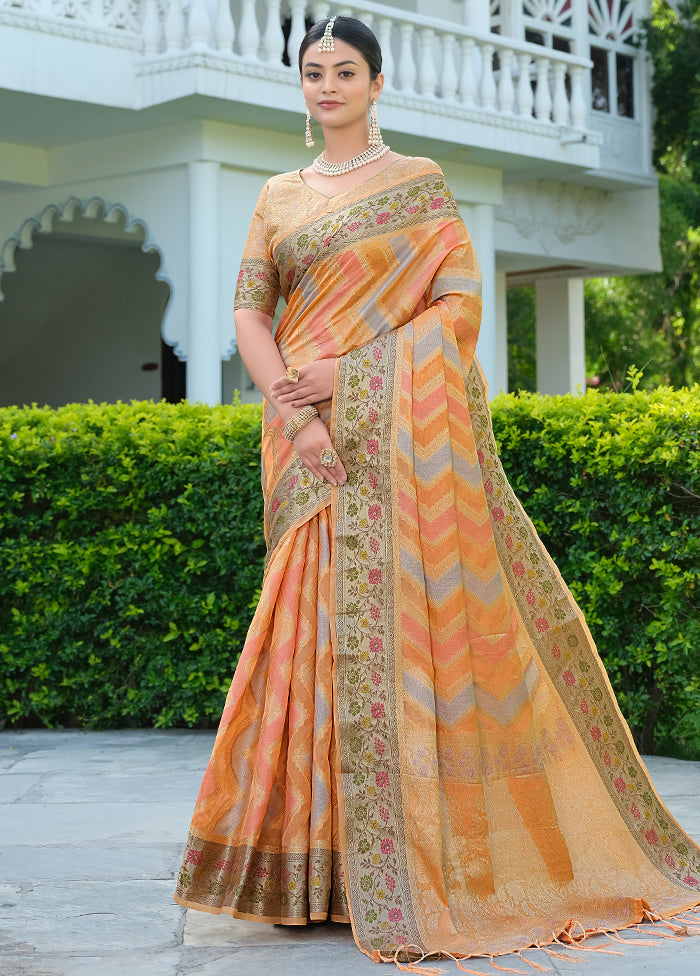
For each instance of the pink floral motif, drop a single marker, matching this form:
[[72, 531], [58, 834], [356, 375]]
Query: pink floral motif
[[569, 679], [292, 481], [383, 217], [307, 260], [374, 612], [375, 512], [355, 225], [240, 275], [596, 733], [383, 814], [669, 860], [376, 383], [498, 514], [390, 882], [556, 652], [518, 569], [651, 836], [261, 275], [413, 209], [379, 746], [373, 418], [480, 455], [437, 204], [542, 624], [584, 706], [395, 914], [194, 857], [373, 479], [509, 541], [635, 811], [387, 846], [620, 785], [689, 880], [376, 645], [260, 872], [530, 597], [223, 865], [373, 446], [375, 576], [275, 505], [382, 779], [606, 758], [290, 275], [377, 353], [327, 241], [488, 486], [376, 678], [377, 710]]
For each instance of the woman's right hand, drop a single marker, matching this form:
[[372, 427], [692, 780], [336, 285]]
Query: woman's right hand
[[309, 442]]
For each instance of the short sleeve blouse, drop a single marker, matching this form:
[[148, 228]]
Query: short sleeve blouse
[[258, 284]]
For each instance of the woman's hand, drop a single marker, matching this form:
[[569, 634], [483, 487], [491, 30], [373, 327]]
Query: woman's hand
[[309, 442], [315, 384]]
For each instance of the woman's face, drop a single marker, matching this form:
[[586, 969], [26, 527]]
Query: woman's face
[[336, 84]]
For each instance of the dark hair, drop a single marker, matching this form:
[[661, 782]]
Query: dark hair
[[353, 32]]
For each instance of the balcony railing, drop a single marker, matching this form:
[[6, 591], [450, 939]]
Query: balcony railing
[[424, 58]]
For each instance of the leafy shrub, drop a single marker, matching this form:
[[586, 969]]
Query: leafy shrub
[[131, 544], [132, 550], [612, 484]]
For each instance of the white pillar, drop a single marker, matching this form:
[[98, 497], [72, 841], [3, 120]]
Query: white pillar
[[477, 15], [203, 358], [561, 351], [500, 384], [480, 225]]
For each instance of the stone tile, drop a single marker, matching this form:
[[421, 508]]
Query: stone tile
[[123, 785], [120, 964], [14, 786], [84, 862], [89, 917], [77, 823], [215, 931]]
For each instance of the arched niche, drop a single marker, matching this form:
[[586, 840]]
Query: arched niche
[[84, 301]]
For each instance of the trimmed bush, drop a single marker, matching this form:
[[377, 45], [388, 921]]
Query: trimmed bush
[[612, 484], [132, 551]]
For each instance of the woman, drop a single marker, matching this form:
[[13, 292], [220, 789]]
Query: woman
[[420, 736]]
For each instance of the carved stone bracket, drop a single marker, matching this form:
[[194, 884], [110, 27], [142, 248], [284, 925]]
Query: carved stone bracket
[[547, 210]]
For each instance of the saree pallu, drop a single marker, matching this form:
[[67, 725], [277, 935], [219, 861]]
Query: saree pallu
[[420, 736]]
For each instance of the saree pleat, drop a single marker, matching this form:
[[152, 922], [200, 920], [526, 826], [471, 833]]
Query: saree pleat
[[420, 735]]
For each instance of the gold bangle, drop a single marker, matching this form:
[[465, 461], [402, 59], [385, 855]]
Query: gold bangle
[[299, 420]]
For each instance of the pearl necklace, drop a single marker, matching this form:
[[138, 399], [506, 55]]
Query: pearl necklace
[[370, 155]]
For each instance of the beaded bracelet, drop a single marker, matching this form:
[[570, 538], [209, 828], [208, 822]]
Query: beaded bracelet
[[299, 420]]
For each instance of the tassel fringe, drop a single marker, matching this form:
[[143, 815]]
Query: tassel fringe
[[535, 965]]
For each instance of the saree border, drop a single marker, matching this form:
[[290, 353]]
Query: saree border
[[383, 914], [567, 651]]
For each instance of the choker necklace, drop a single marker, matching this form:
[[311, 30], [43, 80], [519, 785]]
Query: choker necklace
[[322, 166]]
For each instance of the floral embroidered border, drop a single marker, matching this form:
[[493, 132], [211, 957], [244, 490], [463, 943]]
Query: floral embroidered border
[[557, 630], [244, 881], [257, 284], [296, 497], [378, 882]]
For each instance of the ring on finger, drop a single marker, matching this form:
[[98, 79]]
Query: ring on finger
[[292, 374], [328, 457]]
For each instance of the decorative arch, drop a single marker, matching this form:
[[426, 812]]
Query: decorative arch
[[95, 208]]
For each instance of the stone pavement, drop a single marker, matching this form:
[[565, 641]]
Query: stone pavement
[[93, 825]]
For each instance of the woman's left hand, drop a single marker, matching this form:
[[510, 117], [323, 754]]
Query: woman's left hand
[[315, 384]]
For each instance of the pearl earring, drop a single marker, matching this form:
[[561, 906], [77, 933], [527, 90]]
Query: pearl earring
[[375, 133], [308, 133]]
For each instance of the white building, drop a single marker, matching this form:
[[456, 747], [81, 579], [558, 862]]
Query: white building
[[136, 134]]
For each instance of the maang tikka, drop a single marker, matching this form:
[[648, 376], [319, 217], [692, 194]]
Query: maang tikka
[[326, 43]]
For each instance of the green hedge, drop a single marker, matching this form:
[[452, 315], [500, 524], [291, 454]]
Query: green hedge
[[131, 551]]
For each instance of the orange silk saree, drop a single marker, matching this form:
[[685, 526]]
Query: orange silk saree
[[420, 736]]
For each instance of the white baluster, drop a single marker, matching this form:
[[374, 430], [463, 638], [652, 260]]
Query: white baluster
[[427, 77], [296, 35], [578, 101], [151, 28], [487, 89], [560, 107], [467, 79], [384, 36], [198, 25], [248, 32], [320, 11], [525, 96], [224, 29], [174, 26], [448, 75], [506, 91], [543, 99], [273, 37], [405, 76]]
